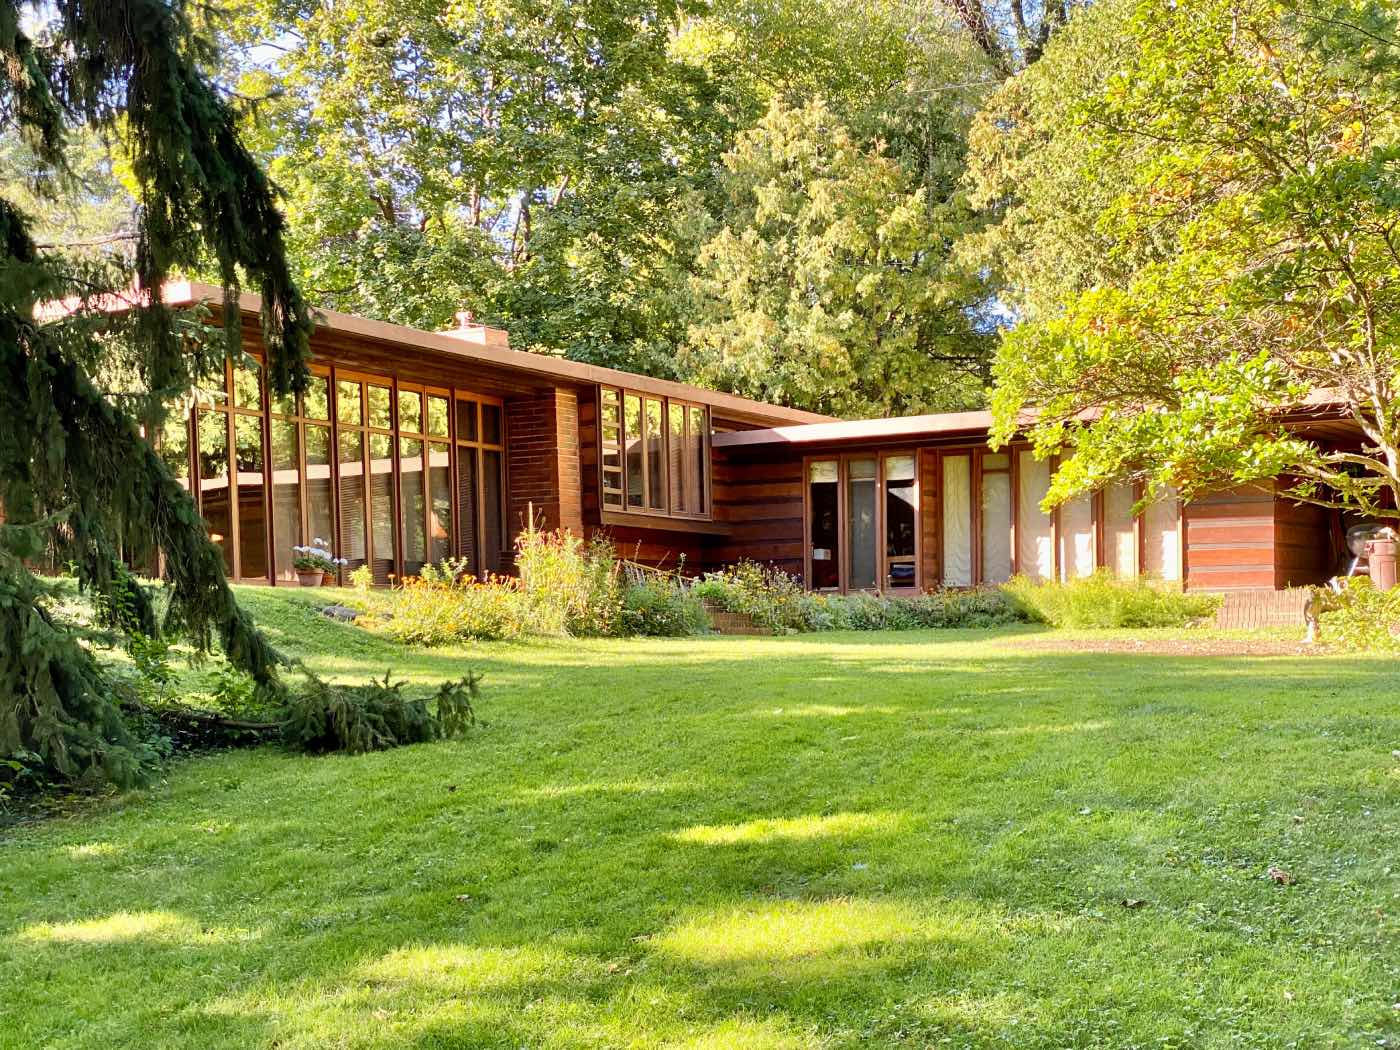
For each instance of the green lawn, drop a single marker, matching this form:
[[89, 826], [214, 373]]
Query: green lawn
[[920, 839]]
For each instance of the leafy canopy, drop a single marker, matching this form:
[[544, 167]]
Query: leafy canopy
[[826, 286], [1253, 264]]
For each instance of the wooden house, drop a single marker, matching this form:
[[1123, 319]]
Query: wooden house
[[412, 447]]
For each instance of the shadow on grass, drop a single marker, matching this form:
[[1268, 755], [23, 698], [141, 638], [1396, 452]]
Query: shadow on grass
[[762, 843]]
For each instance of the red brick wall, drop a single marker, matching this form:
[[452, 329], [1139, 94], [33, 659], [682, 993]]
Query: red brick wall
[[542, 457]]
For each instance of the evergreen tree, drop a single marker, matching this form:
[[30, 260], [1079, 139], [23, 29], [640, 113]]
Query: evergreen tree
[[77, 480]]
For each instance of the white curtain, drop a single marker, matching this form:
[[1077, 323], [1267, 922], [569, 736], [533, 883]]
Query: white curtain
[[1033, 550], [1119, 547], [996, 528], [1076, 538], [1161, 537], [957, 521]]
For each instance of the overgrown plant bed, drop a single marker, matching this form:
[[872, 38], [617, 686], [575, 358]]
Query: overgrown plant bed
[[569, 587]]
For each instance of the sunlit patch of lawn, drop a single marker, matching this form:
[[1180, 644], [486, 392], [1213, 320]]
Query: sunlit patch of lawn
[[944, 839]]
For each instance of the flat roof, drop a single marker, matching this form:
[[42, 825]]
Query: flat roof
[[938, 424], [1320, 407], [465, 345]]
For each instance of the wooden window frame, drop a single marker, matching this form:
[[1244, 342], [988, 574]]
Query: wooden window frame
[[622, 512], [843, 539], [979, 472], [477, 447]]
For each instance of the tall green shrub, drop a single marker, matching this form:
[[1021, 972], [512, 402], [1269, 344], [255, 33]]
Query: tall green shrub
[[1361, 618], [1101, 600], [571, 586]]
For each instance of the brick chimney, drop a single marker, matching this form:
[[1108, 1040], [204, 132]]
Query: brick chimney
[[469, 331]]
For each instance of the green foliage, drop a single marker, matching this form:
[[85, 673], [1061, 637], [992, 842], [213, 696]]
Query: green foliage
[[569, 585], [662, 605], [1361, 618], [828, 286], [78, 482], [324, 717], [773, 599], [523, 160], [980, 608], [1250, 160], [767, 595], [554, 167], [434, 612], [1101, 600]]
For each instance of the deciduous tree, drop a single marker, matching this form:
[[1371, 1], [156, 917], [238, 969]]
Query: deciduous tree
[[1256, 262], [828, 285]]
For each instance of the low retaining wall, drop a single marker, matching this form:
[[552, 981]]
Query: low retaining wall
[[1262, 608], [722, 622]]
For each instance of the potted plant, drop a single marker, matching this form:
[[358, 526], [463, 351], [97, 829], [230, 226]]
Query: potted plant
[[314, 562]]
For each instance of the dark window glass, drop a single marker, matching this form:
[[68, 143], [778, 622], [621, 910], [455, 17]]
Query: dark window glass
[[439, 501], [493, 535], [466, 508], [656, 457], [466, 420], [320, 508], [247, 388], [699, 460], [214, 494], [632, 436], [676, 459], [286, 496], [491, 424], [353, 532], [824, 507], [316, 401], [411, 499], [381, 506], [252, 502], [410, 411], [860, 523], [284, 404], [437, 416], [611, 435], [900, 568], [377, 398]]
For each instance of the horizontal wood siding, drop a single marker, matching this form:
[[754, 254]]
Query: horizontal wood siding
[[930, 524], [760, 499], [660, 549], [1230, 539], [1306, 550]]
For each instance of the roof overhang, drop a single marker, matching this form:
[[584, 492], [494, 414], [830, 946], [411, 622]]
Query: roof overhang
[[555, 369], [902, 428]]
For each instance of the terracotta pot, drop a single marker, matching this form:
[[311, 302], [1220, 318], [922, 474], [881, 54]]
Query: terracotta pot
[[311, 579]]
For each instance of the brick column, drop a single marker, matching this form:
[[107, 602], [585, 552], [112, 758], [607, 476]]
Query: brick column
[[542, 455]]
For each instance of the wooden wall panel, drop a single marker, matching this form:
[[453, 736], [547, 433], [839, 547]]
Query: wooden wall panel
[[660, 549], [1229, 541], [1306, 546], [760, 499], [930, 525]]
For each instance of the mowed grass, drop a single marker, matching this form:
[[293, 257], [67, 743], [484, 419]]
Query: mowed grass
[[924, 839]]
